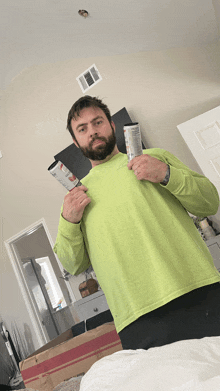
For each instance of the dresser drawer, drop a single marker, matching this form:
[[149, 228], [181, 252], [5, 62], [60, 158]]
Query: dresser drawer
[[92, 307]]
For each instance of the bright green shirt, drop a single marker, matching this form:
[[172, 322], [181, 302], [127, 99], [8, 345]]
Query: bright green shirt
[[138, 236]]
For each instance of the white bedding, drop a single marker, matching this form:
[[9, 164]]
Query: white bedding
[[191, 365]]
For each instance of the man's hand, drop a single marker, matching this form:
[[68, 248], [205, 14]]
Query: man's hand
[[148, 168], [74, 204]]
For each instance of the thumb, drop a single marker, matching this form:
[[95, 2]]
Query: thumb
[[130, 164]]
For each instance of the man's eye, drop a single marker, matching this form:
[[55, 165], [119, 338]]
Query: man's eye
[[81, 130], [99, 122]]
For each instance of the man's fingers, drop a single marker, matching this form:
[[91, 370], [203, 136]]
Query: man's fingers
[[81, 187], [134, 161], [74, 204], [82, 196], [85, 201], [131, 163]]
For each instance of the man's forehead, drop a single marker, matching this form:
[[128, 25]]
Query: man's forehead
[[93, 111]]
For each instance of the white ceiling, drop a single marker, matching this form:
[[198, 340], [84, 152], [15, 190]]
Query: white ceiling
[[34, 32]]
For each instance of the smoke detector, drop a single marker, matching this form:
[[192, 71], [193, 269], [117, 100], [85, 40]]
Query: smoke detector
[[83, 13]]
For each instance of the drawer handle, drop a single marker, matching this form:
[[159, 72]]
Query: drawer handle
[[95, 309]]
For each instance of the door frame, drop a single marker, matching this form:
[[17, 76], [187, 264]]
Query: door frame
[[39, 328]]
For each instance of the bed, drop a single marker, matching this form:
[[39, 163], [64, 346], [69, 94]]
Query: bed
[[191, 365]]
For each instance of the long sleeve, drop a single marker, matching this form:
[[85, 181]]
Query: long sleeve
[[137, 233], [195, 192], [70, 247]]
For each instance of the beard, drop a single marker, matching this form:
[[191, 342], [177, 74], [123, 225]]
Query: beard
[[101, 151]]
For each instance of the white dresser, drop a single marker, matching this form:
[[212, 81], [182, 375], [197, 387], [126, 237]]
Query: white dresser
[[213, 245], [91, 305]]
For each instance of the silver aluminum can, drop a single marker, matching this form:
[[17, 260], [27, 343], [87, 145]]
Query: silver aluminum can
[[133, 140], [63, 175]]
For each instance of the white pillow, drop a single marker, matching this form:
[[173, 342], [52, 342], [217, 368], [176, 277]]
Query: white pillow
[[191, 365]]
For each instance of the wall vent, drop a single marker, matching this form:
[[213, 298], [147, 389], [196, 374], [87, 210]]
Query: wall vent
[[89, 78]]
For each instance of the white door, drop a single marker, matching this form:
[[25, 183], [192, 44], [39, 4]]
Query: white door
[[202, 135]]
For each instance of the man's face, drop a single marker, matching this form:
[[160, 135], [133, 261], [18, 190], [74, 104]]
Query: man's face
[[95, 136]]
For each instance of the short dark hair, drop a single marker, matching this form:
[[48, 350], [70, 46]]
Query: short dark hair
[[82, 103]]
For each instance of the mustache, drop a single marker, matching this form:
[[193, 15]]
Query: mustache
[[97, 138]]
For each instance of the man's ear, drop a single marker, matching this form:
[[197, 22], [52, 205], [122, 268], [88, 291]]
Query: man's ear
[[113, 125]]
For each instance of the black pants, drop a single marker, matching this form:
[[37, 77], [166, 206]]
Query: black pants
[[192, 316]]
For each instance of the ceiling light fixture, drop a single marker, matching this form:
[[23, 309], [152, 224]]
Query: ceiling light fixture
[[83, 13]]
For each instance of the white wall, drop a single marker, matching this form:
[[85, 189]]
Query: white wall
[[159, 89]]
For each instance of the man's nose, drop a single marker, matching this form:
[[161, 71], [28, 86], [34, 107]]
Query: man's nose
[[92, 131]]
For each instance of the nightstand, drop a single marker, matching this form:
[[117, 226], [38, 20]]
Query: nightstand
[[91, 305]]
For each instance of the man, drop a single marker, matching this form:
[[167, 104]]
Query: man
[[130, 221]]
